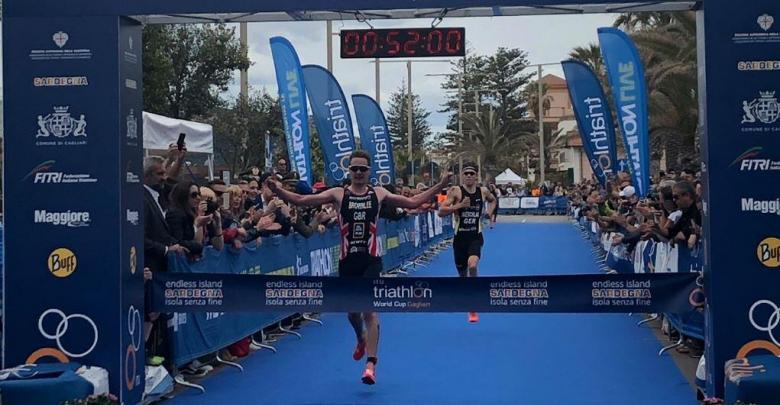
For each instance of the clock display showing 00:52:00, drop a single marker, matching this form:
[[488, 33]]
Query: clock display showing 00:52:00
[[403, 43]]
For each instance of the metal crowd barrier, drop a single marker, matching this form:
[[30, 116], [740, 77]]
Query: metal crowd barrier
[[652, 257]]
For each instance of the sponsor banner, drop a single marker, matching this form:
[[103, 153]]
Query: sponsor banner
[[289, 78], [529, 202], [755, 160], [589, 293], [375, 138], [627, 78], [60, 81], [594, 118], [509, 203], [761, 206], [73, 219], [69, 143], [332, 118], [758, 65], [740, 144], [46, 173]]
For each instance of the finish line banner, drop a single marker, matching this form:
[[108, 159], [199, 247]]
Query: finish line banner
[[645, 293]]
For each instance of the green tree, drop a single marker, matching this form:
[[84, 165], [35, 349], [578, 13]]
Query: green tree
[[239, 130], [496, 79], [186, 67]]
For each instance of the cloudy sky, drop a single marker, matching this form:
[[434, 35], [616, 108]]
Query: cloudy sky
[[546, 39]]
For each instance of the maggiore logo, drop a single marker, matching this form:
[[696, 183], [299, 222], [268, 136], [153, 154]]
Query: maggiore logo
[[768, 252], [62, 262]]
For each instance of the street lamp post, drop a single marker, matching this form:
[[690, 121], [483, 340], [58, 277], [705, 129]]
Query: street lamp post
[[409, 112], [540, 117]]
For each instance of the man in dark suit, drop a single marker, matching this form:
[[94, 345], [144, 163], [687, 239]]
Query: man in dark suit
[[158, 242]]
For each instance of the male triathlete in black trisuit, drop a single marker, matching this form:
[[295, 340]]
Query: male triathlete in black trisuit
[[468, 202], [358, 215]]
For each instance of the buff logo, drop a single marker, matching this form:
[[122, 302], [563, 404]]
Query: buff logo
[[296, 126], [768, 252], [62, 262], [381, 156], [622, 293], [341, 137], [598, 135], [628, 115]]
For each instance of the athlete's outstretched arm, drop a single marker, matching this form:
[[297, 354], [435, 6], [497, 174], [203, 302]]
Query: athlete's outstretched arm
[[450, 205], [418, 200], [312, 200]]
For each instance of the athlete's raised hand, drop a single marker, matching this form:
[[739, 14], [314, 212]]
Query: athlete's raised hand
[[465, 203]]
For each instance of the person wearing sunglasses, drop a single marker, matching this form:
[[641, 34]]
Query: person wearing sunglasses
[[185, 224], [358, 206], [467, 202]]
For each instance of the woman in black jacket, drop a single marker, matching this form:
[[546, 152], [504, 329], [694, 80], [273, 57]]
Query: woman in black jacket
[[184, 224]]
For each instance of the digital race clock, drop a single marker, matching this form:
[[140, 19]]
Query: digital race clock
[[403, 43]]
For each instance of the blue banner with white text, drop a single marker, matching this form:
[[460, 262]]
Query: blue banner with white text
[[584, 293], [292, 94], [334, 123], [594, 118], [627, 78], [375, 138]]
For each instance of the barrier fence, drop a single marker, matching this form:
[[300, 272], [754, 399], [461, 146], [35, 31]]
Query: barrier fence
[[533, 205], [650, 256], [195, 334]]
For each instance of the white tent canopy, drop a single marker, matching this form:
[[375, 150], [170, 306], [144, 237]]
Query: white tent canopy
[[508, 176], [161, 131]]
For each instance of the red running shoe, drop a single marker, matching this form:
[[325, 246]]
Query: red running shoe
[[360, 351], [473, 317], [369, 375]]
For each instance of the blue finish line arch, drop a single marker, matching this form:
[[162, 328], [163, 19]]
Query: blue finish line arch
[[100, 43]]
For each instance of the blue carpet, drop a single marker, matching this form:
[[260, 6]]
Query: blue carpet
[[441, 359]]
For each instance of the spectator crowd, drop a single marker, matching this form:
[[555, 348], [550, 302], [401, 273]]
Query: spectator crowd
[[185, 215]]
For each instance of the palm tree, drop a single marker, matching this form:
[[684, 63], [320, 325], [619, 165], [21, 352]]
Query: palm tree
[[499, 144], [668, 50], [591, 56]]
